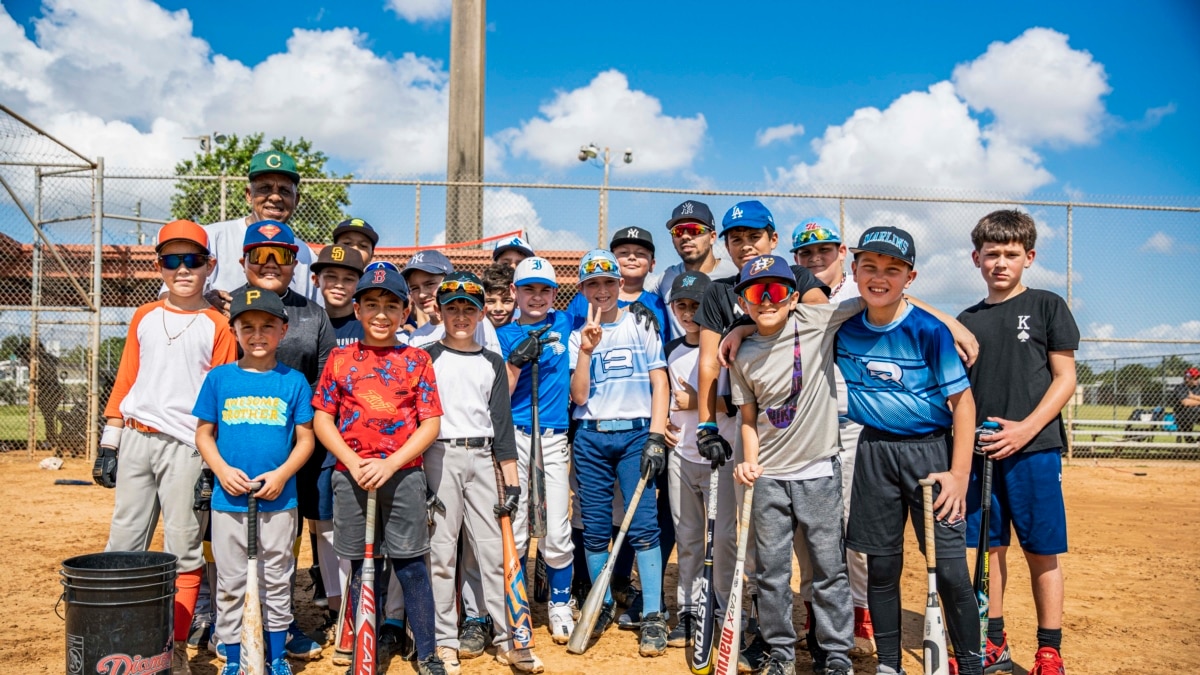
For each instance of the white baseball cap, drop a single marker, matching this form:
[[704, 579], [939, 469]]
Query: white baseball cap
[[534, 270]]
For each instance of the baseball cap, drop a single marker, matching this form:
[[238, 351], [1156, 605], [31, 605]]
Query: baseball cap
[[812, 231], [273, 161], [632, 235], [461, 286], [182, 230], [338, 256], [512, 244], [598, 263], [762, 268], [750, 214], [389, 280], [534, 270], [1193, 372], [357, 225], [689, 286], [692, 212], [891, 241], [269, 233], [433, 262], [253, 298]]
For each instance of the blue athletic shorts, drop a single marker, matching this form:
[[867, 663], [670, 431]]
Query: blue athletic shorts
[[1026, 497]]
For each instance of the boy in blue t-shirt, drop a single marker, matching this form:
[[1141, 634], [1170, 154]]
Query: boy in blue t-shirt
[[909, 390], [260, 411]]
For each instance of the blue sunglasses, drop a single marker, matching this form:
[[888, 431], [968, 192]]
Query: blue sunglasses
[[192, 261]]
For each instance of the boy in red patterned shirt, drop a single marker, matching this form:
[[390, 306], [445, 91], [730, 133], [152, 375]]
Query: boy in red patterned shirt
[[377, 411]]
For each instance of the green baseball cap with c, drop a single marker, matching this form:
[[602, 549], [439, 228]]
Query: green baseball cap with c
[[273, 161]]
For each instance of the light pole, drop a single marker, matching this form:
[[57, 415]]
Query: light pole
[[206, 140], [593, 153]]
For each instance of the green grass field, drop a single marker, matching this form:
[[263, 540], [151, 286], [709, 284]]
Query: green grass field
[[14, 424]]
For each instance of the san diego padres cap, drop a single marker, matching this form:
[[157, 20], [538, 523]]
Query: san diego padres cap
[[255, 299], [356, 225], [338, 256], [273, 161]]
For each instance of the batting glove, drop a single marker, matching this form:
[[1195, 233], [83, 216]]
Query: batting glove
[[512, 495], [104, 471], [530, 349], [711, 446], [645, 316], [202, 497], [654, 455]]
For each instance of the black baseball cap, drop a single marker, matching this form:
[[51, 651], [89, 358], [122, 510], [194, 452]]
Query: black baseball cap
[[255, 299], [632, 235], [891, 241], [692, 211], [389, 280], [689, 285], [357, 225], [461, 286], [338, 256]]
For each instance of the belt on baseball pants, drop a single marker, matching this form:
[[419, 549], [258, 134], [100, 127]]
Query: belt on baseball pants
[[612, 426], [546, 431], [136, 425], [468, 442]]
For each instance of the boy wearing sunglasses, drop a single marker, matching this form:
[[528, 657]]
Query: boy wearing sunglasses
[[424, 274], [150, 422]]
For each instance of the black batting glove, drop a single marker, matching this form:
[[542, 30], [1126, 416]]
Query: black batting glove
[[202, 494], [654, 455], [530, 349], [712, 447], [104, 471], [512, 496], [645, 316]]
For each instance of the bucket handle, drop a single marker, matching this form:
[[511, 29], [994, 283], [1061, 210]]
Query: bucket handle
[[114, 588], [111, 604], [59, 603]]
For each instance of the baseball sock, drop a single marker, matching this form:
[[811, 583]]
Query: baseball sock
[[595, 563], [961, 612], [187, 589], [1049, 637], [650, 571], [233, 653], [559, 579], [418, 602], [276, 639], [883, 596], [996, 629]]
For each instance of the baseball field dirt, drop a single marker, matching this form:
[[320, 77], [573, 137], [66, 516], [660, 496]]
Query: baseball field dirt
[[1133, 585]]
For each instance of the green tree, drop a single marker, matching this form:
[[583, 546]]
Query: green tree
[[1084, 373], [322, 205]]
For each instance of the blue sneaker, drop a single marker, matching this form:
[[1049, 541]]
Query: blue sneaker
[[234, 668], [280, 666], [301, 646], [218, 649]]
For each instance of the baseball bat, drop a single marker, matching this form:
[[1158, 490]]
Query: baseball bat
[[364, 625], [537, 465], [314, 572], [541, 580], [731, 630], [701, 662], [343, 649], [935, 629], [516, 602], [595, 600], [253, 660], [983, 546]]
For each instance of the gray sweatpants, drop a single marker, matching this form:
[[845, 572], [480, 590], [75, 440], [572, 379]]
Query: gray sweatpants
[[815, 508], [689, 483], [276, 537], [157, 474]]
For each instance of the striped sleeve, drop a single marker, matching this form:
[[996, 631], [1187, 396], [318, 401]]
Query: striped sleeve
[[224, 342], [127, 371]]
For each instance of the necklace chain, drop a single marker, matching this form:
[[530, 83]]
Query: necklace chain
[[172, 338]]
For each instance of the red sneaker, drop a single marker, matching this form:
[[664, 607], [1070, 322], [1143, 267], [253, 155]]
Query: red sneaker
[[864, 633], [998, 658], [1047, 661], [952, 664]]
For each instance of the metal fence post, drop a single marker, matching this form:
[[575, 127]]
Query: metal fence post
[[224, 197], [93, 431], [35, 303], [1070, 408], [417, 217], [842, 217]]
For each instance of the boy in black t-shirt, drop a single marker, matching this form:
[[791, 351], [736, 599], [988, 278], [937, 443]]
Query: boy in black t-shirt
[[1024, 376]]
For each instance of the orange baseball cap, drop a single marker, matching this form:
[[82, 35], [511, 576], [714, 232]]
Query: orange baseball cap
[[182, 230]]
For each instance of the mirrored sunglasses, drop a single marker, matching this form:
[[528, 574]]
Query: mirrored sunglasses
[[690, 230], [259, 255], [599, 265], [381, 265], [770, 291], [816, 236], [468, 287], [192, 261]]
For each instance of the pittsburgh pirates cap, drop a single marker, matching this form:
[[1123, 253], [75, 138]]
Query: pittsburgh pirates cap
[[692, 211], [356, 225], [762, 268], [632, 235], [891, 241], [273, 161], [255, 299], [690, 285], [338, 256]]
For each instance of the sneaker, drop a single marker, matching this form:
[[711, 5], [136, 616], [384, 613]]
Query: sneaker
[[279, 666], [997, 660], [885, 670], [623, 591], [1047, 661], [840, 670], [449, 658], [199, 635], [653, 638], [474, 636], [234, 668], [562, 622], [753, 655], [327, 631], [432, 665], [218, 648], [522, 659], [301, 646], [179, 659], [631, 618], [604, 620], [394, 640], [342, 657], [681, 634], [773, 666], [864, 633]]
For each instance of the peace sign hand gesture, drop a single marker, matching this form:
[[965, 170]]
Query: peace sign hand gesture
[[591, 333]]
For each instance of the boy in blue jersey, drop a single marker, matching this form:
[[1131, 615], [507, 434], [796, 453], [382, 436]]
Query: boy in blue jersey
[[909, 390], [618, 376], [541, 333], [1022, 380]]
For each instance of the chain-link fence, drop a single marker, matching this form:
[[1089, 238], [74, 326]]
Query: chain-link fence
[[1094, 253]]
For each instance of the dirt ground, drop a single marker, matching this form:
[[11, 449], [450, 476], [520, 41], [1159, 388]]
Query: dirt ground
[[1133, 588]]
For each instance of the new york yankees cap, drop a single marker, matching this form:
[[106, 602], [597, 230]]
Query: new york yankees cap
[[692, 211], [389, 280], [689, 285], [338, 256], [433, 262], [764, 268], [891, 241], [535, 270], [632, 235], [254, 299], [750, 214]]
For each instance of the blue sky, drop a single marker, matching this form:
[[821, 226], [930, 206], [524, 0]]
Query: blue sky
[[691, 86]]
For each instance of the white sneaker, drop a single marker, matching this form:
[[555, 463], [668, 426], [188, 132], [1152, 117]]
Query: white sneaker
[[562, 622], [523, 660], [449, 657]]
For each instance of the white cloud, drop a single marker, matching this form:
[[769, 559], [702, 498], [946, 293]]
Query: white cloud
[[1154, 115], [783, 132], [607, 111], [1184, 330], [1159, 242], [1038, 88], [420, 10], [507, 211]]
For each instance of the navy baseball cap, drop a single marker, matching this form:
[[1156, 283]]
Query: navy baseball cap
[[689, 285], [750, 214], [389, 280], [269, 233], [692, 212], [433, 262], [812, 231], [461, 286], [357, 225], [891, 241], [632, 235], [512, 244], [764, 268], [255, 299]]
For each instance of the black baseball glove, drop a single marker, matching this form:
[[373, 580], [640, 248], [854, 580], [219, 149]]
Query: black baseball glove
[[654, 455], [512, 496], [530, 349], [104, 471], [712, 447]]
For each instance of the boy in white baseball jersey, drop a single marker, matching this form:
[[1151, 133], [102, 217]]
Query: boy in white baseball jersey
[[150, 420]]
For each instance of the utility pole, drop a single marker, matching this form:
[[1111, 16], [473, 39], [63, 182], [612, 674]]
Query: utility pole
[[464, 205]]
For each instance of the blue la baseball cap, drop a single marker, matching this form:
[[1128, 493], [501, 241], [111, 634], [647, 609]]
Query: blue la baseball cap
[[512, 244], [763, 268], [433, 262], [389, 280], [750, 214], [269, 233], [598, 263], [813, 231], [535, 270]]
